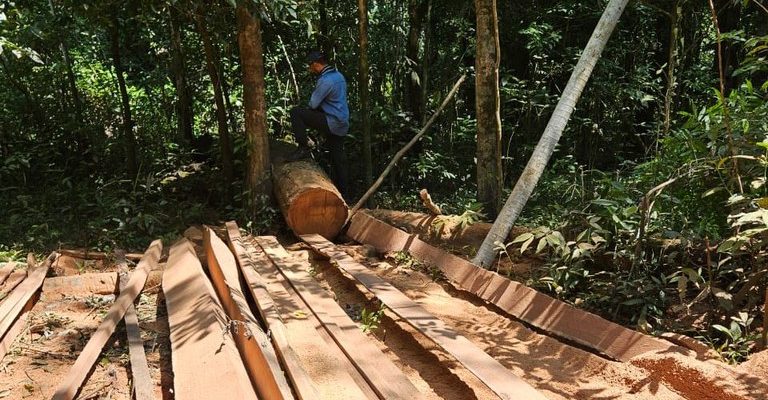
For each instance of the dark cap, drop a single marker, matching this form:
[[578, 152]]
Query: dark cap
[[316, 56]]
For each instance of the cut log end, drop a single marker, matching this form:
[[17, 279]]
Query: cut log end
[[317, 210], [308, 199]]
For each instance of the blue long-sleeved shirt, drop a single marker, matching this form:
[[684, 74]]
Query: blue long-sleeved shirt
[[330, 97]]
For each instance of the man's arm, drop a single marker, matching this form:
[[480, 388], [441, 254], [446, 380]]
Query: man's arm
[[322, 90]]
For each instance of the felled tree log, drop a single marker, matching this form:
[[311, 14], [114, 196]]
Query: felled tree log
[[308, 199]]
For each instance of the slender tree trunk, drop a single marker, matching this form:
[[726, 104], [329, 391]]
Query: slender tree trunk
[[211, 63], [225, 92], [125, 102], [323, 38], [362, 9], [728, 18], [674, 38], [416, 9], [71, 79], [251, 57], [184, 113], [562, 113], [290, 67], [425, 62], [487, 103]]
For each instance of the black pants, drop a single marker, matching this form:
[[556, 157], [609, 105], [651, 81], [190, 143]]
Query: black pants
[[305, 118]]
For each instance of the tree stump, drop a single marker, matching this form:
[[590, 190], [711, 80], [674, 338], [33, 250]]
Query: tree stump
[[309, 201]]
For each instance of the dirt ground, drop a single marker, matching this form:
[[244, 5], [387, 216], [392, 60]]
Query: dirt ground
[[61, 326]]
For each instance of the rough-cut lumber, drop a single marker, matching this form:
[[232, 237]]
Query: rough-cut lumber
[[305, 388], [71, 383], [206, 364], [6, 270], [15, 330], [386, 379], [13, 305], [140, 377], [308, 199], [96, 255], [13, 280], [499, 379], [449, 232], [520, 301], [74, 285], [259, 357], [335, 376]]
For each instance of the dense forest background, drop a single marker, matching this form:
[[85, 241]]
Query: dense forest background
[[124, 121]]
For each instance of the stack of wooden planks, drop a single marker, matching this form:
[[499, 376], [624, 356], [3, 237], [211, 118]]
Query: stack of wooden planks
[[247, 320]]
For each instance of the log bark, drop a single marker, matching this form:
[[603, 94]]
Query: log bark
[[487, 103], [308, 199], [254, 103]]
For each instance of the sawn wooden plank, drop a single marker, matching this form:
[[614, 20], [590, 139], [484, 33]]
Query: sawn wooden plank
[[140, 376], [499, 379], [302, 383], [335, 376], [257, 353], [387, 380], [71, 383], [206, 364], [544, 312]]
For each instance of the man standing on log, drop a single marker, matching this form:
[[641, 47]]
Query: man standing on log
[[328, 113]]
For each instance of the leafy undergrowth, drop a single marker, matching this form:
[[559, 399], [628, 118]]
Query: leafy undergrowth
[[74, 209]]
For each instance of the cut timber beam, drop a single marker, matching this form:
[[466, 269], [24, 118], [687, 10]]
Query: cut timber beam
[[260, 360], [305, 388], [14, 279], [520, 301], [140, 376], [13, 305], [499, 379], [335, 376], [206, 364], [71, 383], [6, 271], [85, 284], [15, 330], [386, 379]]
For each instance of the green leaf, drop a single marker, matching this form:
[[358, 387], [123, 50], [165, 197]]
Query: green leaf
[[542, 244], [523, 237], [526, 244]]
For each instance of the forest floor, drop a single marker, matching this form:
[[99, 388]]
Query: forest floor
[[61, 325]]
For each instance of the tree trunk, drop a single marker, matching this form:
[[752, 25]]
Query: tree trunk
[[71, 79], [562, 113], [323, 38], [425, 62], [211, 62], [728, 18], [416, 9], [674, 37], [251, 58], [178, 69], [125, 101], [487, 103], [362, 9]]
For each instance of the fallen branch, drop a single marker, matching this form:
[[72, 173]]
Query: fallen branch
[[426, 199], [407, 147]]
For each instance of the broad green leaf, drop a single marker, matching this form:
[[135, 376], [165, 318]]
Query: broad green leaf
[[522, 237], [526, 244]]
